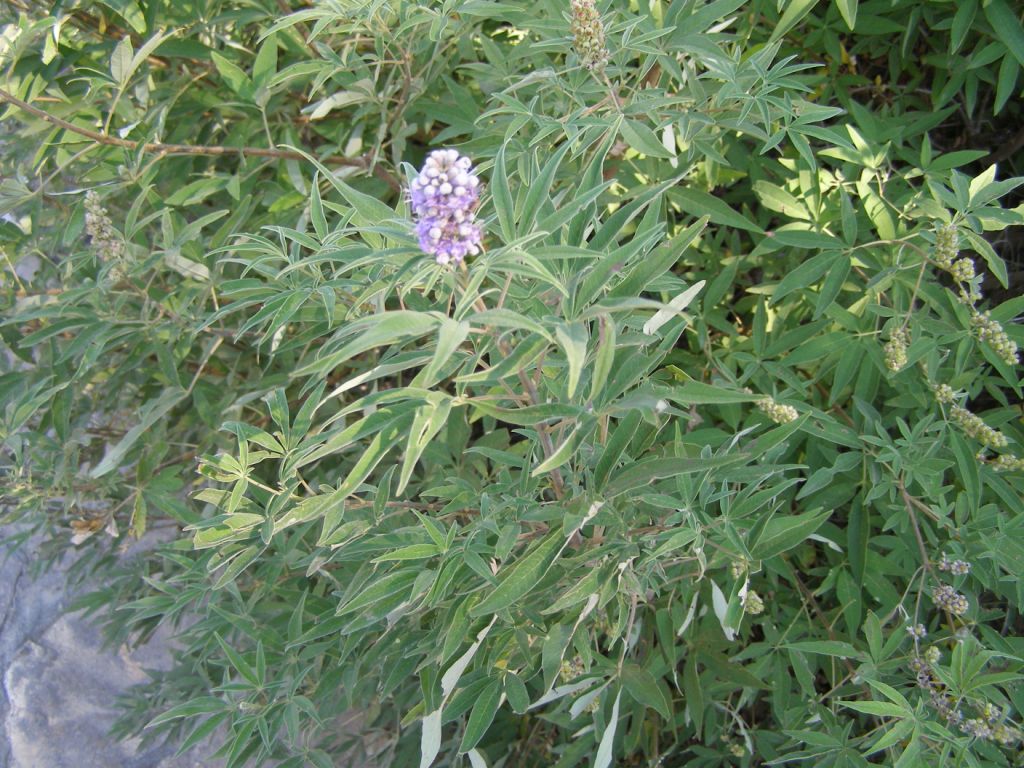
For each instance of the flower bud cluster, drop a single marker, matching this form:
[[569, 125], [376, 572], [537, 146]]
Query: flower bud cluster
[[752, 603], [943, 393], [444, 197], [963, 270], [777, 412], [988, 726], [570, 670], [945, 253], [917, 631], [956, 567], [588, 35], [932, 654], [943, 703], [991, 332], [896, 350], [1008, 462], [973, 426], [104, 238], [948, 599], [947, 246]]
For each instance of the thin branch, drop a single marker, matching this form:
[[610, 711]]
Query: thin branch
[[557, 483], [921, 546], [363, 162], [1007, 150]]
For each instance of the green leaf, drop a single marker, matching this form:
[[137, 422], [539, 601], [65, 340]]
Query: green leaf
[[836, 648], [783, 533], [430, 418], [573, 338], [896, 734], [795, 11], [265, 66], [369, 211], [848, 10], [697, 202], [502, 196], [507, 318], [482, 716], [238, 564], [580, 591], [235, 78], [203, 705], [1007, 27], [615, 446], [412, 552], [805, 275], [121, 61], [524, 574], [380, 589], [604, 755], [553, 651], [1006, 83], [129, 11], [968, 468], [560, 455], [151, 413], [641, 138], [832, 284], [992, 260], [381, 329], [515, 690], [605, 355], [237, 661], [316, 208], [537, 194], [382, 442], [641, 685], [963, 20], [663, 259], [698, 393], [644, 473], [450, 335], [877, 708]]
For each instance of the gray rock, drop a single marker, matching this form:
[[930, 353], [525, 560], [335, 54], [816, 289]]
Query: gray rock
[[60, 684]]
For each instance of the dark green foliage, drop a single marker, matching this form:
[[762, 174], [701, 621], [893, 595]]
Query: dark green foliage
[[710, 459]]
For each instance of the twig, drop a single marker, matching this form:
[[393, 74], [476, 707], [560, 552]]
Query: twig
[[363, 162], [557, 483], [907, 501], [1007, 150], [809, 599]]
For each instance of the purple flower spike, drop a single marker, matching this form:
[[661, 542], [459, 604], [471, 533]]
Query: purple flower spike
[[444, 199]]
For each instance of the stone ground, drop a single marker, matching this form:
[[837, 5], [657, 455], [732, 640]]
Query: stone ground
[[59, 683]]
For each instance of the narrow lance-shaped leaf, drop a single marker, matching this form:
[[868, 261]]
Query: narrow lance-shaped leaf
[[573, 338], [674, 307], [503, 197], [604, 749], [480, 718], [527, 571], [429, 420]]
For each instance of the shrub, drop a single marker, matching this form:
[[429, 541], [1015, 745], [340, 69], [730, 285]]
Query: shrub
[[688, 434]]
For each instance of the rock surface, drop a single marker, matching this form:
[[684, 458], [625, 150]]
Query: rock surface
[[59, 684]]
